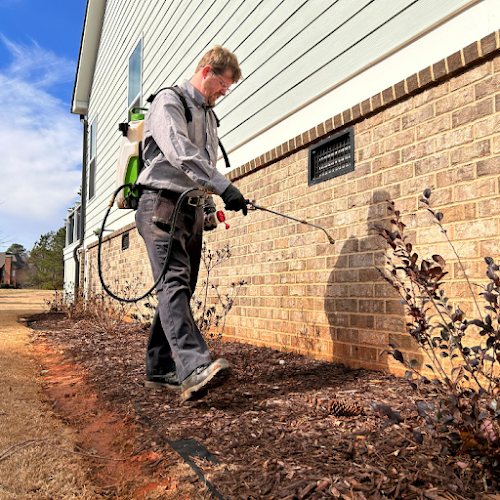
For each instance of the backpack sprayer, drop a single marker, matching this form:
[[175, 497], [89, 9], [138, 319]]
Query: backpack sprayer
[[130, 164]]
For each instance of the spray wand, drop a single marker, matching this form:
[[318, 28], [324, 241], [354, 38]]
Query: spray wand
[[259, 207]]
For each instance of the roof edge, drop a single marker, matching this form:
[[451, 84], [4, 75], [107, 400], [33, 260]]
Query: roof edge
[[89, 46]]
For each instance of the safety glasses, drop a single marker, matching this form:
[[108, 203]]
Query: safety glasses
[[223, 84]]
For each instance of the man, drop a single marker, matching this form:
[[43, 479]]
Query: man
[[180, 154]]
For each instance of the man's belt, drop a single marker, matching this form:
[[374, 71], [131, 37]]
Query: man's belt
[[192, 201], [195, 201]]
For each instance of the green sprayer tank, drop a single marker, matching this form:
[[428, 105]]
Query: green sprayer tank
[[128, 165]]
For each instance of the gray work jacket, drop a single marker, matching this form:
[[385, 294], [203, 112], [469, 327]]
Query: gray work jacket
[[184, 155]]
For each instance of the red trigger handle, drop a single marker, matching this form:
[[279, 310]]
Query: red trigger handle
[[222, 218]]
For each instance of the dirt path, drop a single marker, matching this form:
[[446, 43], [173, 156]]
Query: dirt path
[[57, 441], [30, 467]]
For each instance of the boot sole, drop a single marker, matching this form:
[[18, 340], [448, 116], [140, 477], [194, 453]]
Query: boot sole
[[150, 384], [217, 378]]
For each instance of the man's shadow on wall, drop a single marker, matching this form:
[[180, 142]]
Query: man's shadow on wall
[[363, 310]]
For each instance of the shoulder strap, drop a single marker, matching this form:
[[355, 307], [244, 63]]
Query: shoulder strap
[[224, 154], [189, 116], [215, 116], [177, 90], [187, 111]]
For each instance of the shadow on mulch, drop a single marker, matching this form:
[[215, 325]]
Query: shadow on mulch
[[270, 425]]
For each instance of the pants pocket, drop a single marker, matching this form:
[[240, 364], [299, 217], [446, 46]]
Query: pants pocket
[[163, 210]]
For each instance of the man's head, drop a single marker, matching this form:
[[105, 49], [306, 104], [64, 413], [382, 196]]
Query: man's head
[[215, 73]]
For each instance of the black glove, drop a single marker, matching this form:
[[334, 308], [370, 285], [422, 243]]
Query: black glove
[[234, 199]]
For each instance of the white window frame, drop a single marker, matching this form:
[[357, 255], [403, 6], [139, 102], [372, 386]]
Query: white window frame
[[92, 159], [73, 219], [70, 229], [137, 100]]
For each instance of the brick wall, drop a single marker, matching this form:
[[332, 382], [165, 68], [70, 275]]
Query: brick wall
[[438, 129]]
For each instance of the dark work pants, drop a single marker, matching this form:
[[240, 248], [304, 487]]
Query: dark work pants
[[175, 342]]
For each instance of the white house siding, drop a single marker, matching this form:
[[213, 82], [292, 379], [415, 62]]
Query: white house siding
[[291, 52], [69, 268], [452, 34]]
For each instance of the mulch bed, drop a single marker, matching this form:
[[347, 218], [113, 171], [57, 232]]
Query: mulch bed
[[273, 425]]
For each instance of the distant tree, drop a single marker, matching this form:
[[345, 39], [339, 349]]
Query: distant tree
[[46, 259], [4, 240], [18, 250]]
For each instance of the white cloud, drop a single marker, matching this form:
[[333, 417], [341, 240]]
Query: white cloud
[[40, 67], [40, 143]]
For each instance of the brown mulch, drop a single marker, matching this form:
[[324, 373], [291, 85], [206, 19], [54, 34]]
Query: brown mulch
[[272, 425]]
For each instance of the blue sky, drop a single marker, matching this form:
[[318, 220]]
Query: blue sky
[[40, 140]]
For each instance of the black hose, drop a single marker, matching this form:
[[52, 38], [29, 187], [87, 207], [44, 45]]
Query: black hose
[[169, 250], [172, 230]]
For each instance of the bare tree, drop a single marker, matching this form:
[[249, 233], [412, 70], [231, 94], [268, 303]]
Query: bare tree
[[4, 240]]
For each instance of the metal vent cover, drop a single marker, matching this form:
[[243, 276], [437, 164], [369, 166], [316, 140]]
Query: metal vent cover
[[125, 241], [332, 157]]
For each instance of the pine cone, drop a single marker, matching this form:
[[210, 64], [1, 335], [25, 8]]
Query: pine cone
[[340, 408]]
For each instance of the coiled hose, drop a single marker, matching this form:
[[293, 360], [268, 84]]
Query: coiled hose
[[169, 249]]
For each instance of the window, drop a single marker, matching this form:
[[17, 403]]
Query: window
[[135, 77], [93, 153], [13, 272], [73, 225], [78, 223], [331, 157], [70, 229]]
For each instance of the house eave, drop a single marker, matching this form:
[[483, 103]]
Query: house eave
[[89, 46], [80, 107]]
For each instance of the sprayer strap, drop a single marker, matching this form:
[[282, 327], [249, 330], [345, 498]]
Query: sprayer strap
[[189, 117], [177, 90]]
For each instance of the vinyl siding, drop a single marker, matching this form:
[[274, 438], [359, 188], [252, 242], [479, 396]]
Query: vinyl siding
[[335, 41], [290, 51]]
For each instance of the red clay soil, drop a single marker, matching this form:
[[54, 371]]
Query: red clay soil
[[272, 426], [105, 434]]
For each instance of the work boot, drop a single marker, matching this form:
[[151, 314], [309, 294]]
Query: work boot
[[203, 378], [169, 380]]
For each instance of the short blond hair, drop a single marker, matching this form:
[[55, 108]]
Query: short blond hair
[[221, 59]]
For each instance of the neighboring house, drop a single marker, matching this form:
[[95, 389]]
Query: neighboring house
[[413, 89], [73, 243], [12, 269]]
